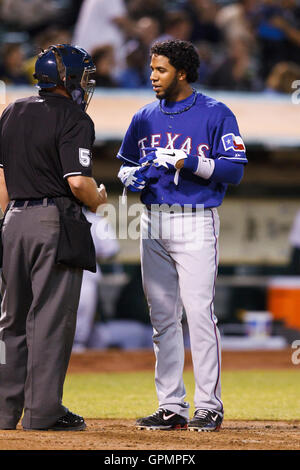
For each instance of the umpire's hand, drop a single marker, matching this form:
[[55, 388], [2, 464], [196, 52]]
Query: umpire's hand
[[102, 193], [85, 189]]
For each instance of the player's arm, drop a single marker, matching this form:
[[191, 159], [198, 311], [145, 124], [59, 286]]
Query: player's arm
[[86, 190], [4, 197], [228, 155], [132, 175], [218, 170]]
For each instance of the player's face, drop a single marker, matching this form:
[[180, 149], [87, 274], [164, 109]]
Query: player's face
[[164, 77]]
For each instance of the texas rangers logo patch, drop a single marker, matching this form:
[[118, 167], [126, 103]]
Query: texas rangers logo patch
[[235, 142]]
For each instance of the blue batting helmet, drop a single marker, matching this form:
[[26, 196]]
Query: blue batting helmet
[[67, 66]]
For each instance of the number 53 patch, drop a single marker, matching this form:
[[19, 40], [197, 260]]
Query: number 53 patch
[[84, 157]]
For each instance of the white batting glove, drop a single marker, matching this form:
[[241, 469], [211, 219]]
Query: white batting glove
[[168, 157], [160, 156], [132, 178]]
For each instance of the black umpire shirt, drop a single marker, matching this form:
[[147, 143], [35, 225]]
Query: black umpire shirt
[[43, 140]]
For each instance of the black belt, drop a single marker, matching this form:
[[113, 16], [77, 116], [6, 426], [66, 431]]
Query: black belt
[[33, 202]]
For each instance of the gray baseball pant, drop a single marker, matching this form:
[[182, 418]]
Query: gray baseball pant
[[179, 269], [38, 318]]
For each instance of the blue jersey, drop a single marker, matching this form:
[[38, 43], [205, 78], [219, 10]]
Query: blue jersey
[[208, 128]]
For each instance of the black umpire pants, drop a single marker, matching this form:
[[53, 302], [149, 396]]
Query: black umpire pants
[[38, 319]]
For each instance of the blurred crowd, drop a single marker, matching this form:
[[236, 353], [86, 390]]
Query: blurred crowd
[[248, 45]]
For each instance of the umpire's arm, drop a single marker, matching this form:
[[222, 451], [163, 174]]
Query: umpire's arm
[[4, 198], [86, 190]]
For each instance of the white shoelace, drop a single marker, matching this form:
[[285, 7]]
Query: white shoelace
[[158, 411], [202, 413]]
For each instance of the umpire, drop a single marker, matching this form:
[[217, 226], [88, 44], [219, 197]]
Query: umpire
[[45, 178]]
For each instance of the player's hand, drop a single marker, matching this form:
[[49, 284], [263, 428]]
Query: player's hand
[[132, 178], [159, 156]]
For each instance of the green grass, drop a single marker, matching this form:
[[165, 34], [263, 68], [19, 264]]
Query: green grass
[[254, 395]]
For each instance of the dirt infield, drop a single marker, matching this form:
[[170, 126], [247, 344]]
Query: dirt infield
[[121, 435]]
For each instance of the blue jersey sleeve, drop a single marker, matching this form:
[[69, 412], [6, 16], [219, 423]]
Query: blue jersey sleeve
[[129, 152], [227, 142], [227, 172]]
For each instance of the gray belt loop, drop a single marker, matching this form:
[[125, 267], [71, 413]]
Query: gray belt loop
[[12, 204], [25, 204], [45, 202]]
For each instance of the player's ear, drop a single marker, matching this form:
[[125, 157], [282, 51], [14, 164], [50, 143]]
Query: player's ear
[[182, 75]]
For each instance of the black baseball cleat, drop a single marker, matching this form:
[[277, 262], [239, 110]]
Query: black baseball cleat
[[67, 422], [164, 420], [205, 420]]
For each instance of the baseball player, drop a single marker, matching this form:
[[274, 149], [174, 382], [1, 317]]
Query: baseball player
[[45, 177], [183, 150]]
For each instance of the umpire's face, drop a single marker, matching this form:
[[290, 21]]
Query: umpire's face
[[167, 81]]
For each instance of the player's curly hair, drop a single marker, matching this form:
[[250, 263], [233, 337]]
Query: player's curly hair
[[181, 54]]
